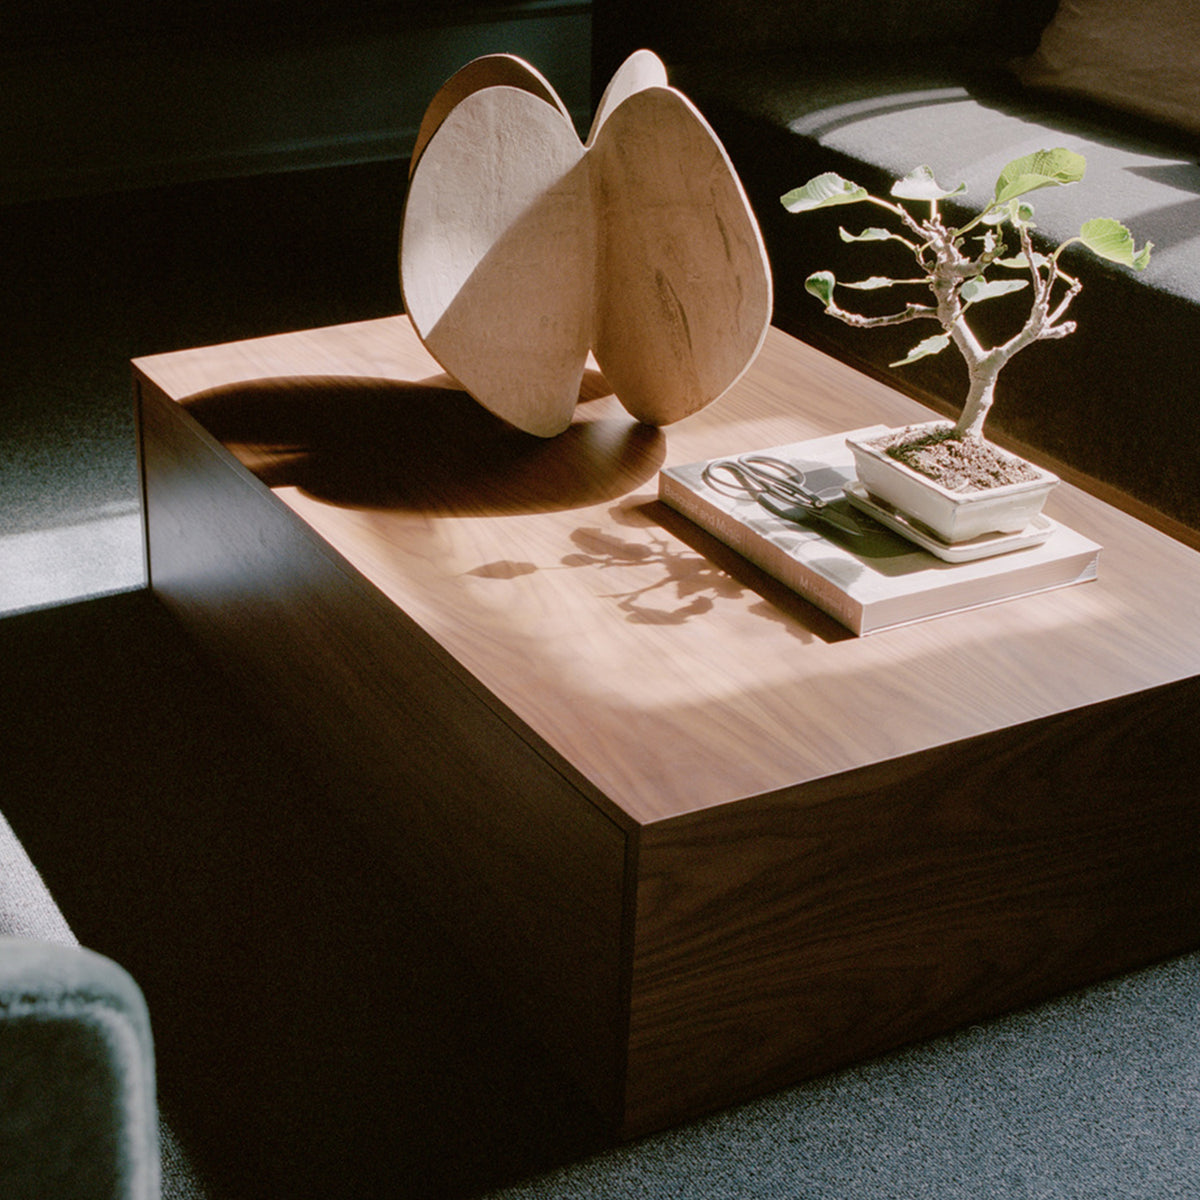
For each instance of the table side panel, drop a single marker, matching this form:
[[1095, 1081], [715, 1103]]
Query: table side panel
[[783, 937], [495, 840]]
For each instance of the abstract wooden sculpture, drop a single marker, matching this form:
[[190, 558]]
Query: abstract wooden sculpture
[[523, 249]]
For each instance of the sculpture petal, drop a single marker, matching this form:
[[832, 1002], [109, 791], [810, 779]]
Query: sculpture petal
[[490, 70], [642, 69], [497, 259], [521, 249], [684, 296]]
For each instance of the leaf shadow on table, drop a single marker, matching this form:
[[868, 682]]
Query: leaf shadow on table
[[776, 601], [425, 446], [684, 572]]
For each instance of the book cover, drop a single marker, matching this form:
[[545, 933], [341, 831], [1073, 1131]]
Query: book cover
[[869, 579]]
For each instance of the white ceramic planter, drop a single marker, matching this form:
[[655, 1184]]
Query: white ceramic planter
[[952, 516]]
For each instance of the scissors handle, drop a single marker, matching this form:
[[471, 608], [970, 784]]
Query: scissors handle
[[781, 480], [776, 485]]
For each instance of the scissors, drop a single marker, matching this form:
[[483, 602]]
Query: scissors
[[778, 486]]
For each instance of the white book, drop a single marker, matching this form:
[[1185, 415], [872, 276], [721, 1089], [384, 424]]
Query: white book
[[875, 579]]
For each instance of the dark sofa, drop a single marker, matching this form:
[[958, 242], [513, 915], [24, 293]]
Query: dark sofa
[[872, 90]]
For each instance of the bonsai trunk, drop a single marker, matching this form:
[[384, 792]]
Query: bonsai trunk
[[978, 402]]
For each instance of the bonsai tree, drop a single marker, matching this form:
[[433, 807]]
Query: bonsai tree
[[970, 264]]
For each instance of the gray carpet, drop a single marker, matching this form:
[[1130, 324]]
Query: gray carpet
[[93, 282], [1095, 1096], [316, 1036]]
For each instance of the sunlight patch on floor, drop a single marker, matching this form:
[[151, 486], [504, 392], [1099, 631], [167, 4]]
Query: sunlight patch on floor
[[94, 557]]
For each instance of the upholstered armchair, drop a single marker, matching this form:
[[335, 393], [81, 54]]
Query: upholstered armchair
[[78, 1118], [78, 1110]]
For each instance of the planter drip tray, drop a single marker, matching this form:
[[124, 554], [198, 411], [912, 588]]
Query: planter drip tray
[[984, 546]]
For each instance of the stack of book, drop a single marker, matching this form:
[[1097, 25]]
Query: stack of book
[[862, 573]]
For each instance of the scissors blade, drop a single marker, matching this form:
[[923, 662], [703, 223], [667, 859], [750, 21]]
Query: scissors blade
[[804, 514], [846, 522]]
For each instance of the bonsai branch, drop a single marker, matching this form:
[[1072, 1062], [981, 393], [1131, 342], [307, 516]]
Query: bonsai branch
[[960, 279], [913, 312]]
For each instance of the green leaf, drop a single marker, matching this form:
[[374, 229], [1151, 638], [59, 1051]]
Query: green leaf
[[1017, 212], [821, 285], [1021, 263], [1045, 168], [921, 185], [975, 290], [876, 281], [823, 192], [932, 345], [868, 235], [1110, 239]]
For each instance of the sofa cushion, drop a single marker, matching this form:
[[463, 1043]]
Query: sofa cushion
[[1100, 49], [1110, 401], [966, 123]]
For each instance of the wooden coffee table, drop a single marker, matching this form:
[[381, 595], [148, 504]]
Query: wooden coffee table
[[706, 841]]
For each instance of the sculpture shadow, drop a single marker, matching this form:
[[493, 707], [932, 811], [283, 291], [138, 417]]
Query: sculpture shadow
[[424, 446]]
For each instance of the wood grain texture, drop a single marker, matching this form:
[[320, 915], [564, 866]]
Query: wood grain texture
[[552, 574], [489, 70], [708, 841], [498, 257], [642, 69], [912, 897], [684, 300], [489, 828], [522, 248]]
